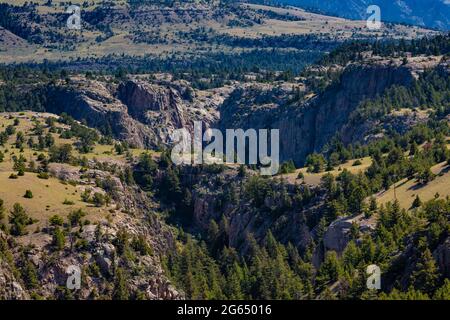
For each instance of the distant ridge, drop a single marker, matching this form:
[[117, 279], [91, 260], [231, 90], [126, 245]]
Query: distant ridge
[[426, 13]]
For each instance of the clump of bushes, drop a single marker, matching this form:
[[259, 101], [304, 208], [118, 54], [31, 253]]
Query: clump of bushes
[[56, 220], [28, 194]]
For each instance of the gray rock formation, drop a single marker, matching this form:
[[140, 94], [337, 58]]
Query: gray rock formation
[[10, 287], [442, 256], [140, 112], [308, 126]]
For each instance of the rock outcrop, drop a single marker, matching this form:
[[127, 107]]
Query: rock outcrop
[[95, 248], [137, 111], [10, 286], [308, 126], [212, 194], [338, 233], [442, 256], [93, 102]]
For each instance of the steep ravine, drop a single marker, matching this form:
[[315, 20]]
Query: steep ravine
[[140, 112], [146, 112], [307, 127]]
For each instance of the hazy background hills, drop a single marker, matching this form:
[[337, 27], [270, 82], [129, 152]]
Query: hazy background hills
[[429, 13], [37, 31]]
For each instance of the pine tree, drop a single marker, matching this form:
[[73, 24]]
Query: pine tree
[[351, 256], [30, 275], [18, 220], [234, 280], [425, 274], [411, 294], [329, 271], [368, 249], [322, 228], [271, 245], [354, 231], [335, 209], [58, 239], [213, 232], [373, 204], [356, 200], [443, 293], [425, 176], [2, 210], [417, 202], [121, 291]]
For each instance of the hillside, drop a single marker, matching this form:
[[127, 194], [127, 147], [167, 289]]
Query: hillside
[[73, 213], [157, 30], [432, 14], [50, 194], [65, 224], [87, 178], [407, 190]]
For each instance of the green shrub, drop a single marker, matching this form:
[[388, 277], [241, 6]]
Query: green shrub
[[99, 199], [28, 194], [56, 220], [140, 245], [75, 217], [81, 244], [287, 167], [68, 202], [86, 196], [43, 175]]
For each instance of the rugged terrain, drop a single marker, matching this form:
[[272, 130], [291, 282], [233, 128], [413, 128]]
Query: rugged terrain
[[86, 177], [37, 31], [144, 111], [433, 14], [308, 126], [42, 272]]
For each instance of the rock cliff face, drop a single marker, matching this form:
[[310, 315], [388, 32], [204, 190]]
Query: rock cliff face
[[212, 194], [143, 99], [308, 126], [357, 83], [137, 111], [338, 235], [442, 256], [103, 254], [146, 112], [10, 287], [94, 102]]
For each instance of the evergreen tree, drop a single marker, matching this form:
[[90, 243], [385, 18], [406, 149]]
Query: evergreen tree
[[417, 202], [2, 210], [19, 220], [329, 271], [58, 239], [425, 274], [29, 274], [121, 291], [443, 293]]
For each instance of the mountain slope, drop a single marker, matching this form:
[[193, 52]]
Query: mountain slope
[[427, 13], [155, 29]]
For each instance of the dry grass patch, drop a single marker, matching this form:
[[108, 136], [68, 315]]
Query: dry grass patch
[[407, 190]]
